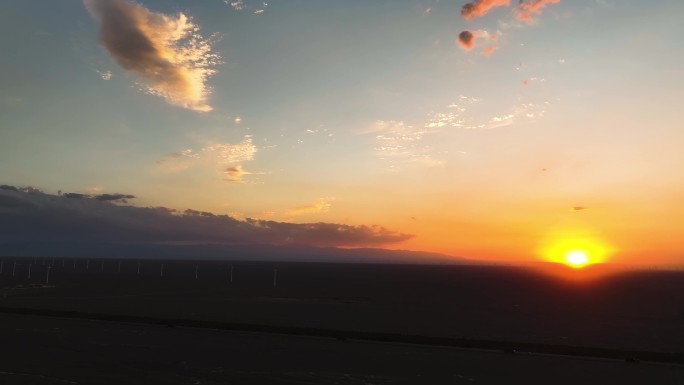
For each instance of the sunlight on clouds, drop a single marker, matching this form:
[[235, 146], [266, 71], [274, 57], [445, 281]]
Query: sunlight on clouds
[[479, 8], [398, 141], [323, 205], [458, 115], [235, 174], [213, 154], [173, 60], [527, 8]]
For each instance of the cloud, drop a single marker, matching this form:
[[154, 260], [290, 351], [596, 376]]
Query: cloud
[[238, 5], [323, 205], [479, 8], [398, 141], [105, 75], [235, 174], [113, 197], [173, 60], [466, 40], [39, 217], [527, 8], [489, 50], [455, 115], [122, 198], [216, 154]]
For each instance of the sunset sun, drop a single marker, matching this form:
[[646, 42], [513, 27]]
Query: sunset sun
[[576, 251], [576, 258]]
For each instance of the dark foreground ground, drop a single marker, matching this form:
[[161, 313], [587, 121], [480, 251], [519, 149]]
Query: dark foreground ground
[[44, 350], [627, 315]]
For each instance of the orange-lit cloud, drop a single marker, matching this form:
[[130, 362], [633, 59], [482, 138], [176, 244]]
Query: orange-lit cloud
[[527, 8], [488, 50], [221, 154], [479, 8], [469, 39], [172, 59], [323, 205], [466, 40]]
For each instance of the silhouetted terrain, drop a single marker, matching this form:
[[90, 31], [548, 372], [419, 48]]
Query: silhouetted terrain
[[47, 351], [630, 310]]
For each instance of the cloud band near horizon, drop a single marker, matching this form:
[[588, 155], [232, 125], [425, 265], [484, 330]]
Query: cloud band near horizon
[[31, 215]]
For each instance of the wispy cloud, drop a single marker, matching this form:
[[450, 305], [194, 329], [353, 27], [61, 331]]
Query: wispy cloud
[[214, 154], [523, 111], [486, 51], [453, 116], [530, 7], [168, 53], [398, 141], [459, 115], [323, 205], [237, 5], [479, 8], [105, 75]]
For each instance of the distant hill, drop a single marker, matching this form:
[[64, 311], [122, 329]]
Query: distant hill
[[252, 252]]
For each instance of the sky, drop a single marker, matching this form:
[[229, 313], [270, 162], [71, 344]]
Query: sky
[[492, 130]]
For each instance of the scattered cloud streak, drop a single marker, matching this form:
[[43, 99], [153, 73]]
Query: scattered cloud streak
[[167, 52], [488, 50], [323, 205], [238, 5], [458, 115], [531, 7], [398, 141], [217, 154]]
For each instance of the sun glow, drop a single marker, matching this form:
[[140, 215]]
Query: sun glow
[[576, 258], [576, 252]]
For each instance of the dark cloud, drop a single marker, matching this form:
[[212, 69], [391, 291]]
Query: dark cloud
[[466, 40], [39, 217], [167, 52], [75, 195], [113, 197]]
